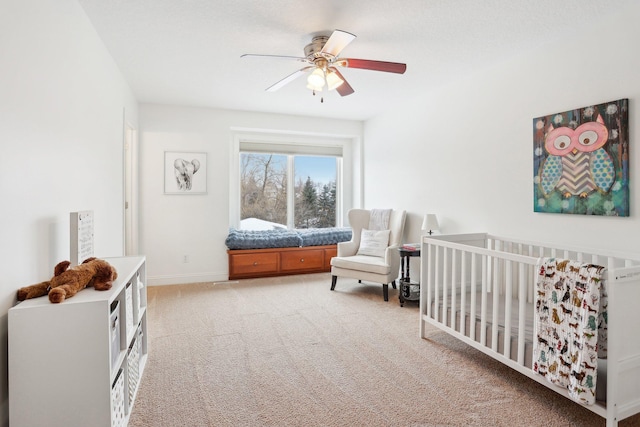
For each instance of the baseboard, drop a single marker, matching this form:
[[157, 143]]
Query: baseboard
[[179, 279]]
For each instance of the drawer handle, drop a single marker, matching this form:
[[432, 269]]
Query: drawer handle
[[255, 263], [301, 259]]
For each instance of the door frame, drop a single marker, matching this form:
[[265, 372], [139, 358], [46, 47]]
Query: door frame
[[130, 190]]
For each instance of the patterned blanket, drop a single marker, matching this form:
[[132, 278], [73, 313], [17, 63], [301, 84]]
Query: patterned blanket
[[569, 317]]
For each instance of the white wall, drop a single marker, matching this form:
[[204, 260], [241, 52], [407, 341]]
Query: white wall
[[172, 226], [467, 148], [62, 101]]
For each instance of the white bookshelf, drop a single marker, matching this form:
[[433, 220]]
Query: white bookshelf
[[77, 363]]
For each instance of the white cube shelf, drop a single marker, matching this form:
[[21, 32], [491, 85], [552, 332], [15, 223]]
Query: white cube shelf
[[68, 362]]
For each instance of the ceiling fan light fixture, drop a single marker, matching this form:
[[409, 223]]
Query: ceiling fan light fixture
[[333, 80], [316, 79]]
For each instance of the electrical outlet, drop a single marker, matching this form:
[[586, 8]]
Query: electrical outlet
[[185, 259]]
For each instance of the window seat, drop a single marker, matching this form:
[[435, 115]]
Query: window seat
[[278, 252]]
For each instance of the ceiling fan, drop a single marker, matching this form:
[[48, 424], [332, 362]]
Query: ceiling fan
[[323, 58]]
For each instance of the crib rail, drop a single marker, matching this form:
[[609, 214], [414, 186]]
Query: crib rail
[[466, 266], [608, 259], [481, 289]]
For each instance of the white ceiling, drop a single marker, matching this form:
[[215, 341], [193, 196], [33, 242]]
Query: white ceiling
[[188, 52]]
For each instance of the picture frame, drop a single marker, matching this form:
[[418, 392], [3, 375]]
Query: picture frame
[[581, 160], [185, 172]]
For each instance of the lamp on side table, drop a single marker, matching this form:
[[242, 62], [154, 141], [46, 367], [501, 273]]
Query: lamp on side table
[[430, 223]]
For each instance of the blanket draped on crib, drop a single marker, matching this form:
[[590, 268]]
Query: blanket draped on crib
[[570, 314]]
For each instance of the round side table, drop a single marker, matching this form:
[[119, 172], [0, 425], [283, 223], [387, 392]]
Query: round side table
[[409, 291]]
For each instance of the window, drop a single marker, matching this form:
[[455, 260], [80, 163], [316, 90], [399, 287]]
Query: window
[[287, 190], [315, 192], [263, 190], [288, 159]]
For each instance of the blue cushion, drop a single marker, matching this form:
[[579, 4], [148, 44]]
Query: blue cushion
[[262, 239], [324, 236], [285, 238]]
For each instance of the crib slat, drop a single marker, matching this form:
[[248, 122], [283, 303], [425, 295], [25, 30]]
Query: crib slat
[[429, 273], [507, 309], [463, 291], [454, 270], [483, 302], [436, 286], [530, 292], [474, 288], [445, 277], [495, 325], [521, 311]]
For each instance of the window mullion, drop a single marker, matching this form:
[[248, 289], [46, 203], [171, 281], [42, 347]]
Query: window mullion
[[291, 191], [339, 182]]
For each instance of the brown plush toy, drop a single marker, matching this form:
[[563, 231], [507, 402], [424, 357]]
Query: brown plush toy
[[66, 282]]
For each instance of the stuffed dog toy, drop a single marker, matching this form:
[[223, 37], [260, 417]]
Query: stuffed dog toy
[[66, 282]]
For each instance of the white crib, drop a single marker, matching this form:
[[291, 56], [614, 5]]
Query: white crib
[[465, 276]]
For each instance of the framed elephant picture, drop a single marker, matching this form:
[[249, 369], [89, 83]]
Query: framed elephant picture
[[185, 172]]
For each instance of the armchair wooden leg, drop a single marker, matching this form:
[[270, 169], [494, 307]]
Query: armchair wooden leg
[[385, 291], [393, 284], [334, 279]]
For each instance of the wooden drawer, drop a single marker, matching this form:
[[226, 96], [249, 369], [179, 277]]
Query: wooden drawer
[[249, 264], [328, 254], [302, 260]]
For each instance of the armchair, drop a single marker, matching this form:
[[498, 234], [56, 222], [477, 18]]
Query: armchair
[[383, 267]]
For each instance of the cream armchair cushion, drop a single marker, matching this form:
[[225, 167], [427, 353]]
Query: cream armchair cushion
[[351, 262], [373, 242]]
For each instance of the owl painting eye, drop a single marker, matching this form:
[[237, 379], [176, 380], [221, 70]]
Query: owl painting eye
[[588, 138], [562, 142]]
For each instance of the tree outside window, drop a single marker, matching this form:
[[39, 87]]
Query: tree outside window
[[263, 182]]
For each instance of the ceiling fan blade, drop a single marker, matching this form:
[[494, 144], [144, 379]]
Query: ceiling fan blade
[[345, 88], [367, 64], [291, 77], [339, 40], [254, 55]]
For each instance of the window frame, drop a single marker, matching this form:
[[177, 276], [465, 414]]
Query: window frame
[[296, 144]]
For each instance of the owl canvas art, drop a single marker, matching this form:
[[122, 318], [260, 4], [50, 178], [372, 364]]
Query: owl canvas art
[[581, 161]]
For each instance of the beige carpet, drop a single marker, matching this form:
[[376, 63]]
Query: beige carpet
[[289, 352]]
